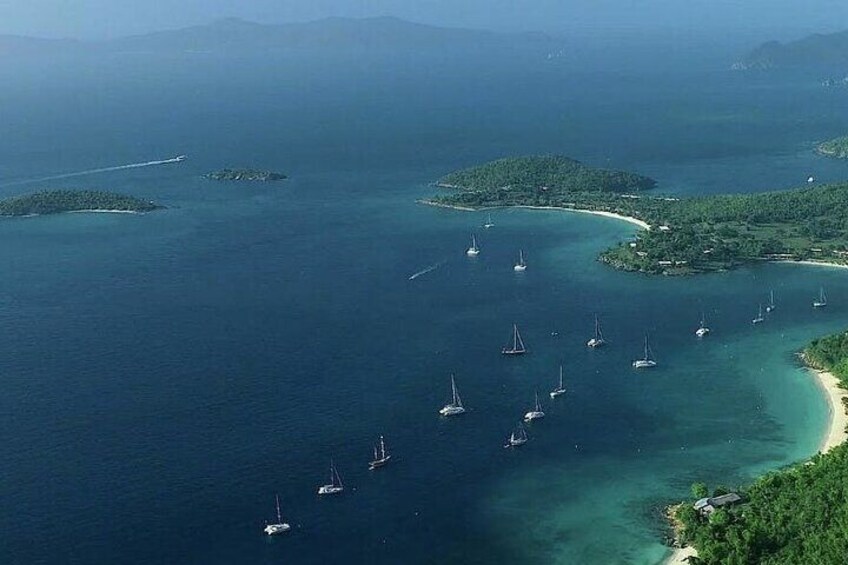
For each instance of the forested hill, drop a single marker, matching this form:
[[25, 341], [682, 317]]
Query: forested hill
[[814, 51], [57, 201], [553, 174]]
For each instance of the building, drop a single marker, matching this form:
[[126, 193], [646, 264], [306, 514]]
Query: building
[[707, 506]]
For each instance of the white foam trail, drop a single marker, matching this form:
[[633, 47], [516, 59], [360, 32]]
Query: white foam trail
[[95, 171], [425, 271]]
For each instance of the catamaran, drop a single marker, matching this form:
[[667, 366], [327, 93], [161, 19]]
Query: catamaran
[[759, 319], [646, 362], [536, 412], [473, 251], [381, 458], [771, 306], [489, 223], [702, 329], [335, 486], [822, 301], [517, 347], [560, 390], [454, 407], [278, 528], [517, 438], [521, 266], [598, 340]]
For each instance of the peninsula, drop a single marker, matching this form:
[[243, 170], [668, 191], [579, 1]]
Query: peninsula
[[837, 148], [684, 235], [245, 175], [58, 201]]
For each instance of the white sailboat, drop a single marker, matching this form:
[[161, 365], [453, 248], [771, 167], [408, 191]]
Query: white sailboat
[[517, 438], [335, 486], [278, 528], [598, 340], [473, 251], [647, 361], [489, 223], [381, 458], [560, 390], [517, 347], [771, 306], [536, 413], [702, 328], [454, 407], [759, 319], [822, 301], [521, 266]]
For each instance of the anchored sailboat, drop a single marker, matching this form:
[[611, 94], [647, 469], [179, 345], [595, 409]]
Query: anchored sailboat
[[280, 527], [521, 266], [759, 319], [536, 413], [822, 301], [598, 340], [517, 438], [647, 361], [473, 251], [335, 486], [702, 329], [489, 223], [381, 458], [560, 390], [771, 306], [454, 407], [517, 347]]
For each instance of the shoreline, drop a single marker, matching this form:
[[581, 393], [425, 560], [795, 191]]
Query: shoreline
[[812, 263], [835, 433], [629, 219]]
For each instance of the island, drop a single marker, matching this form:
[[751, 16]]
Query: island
[[245, 175], [795, 515], [816, 51], [837, 148], [683, 235], [58, 201]]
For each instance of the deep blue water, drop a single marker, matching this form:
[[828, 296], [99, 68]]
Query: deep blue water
[[165, 375]]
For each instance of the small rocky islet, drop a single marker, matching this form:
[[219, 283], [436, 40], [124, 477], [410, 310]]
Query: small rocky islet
[[252, 175]]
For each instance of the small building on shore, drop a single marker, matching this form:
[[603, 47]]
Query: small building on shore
[[706, 506]]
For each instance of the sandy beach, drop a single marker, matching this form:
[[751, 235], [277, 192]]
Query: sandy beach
[[838, 419], [680, 555], [814, 264]]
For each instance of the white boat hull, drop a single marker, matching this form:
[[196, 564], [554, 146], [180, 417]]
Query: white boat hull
[[644, 364], [472, 252], [519, 268], [452, 410], [276, 529], [557, 392], [595, 342], [534, 415], [330, 489], [701, 332], [377, 463]]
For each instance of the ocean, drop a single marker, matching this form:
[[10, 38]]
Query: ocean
[[164, 376]]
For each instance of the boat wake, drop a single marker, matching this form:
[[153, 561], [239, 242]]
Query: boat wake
[[177, 159], [423, 272]]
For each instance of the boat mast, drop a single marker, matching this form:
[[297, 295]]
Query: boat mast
[[279, 518], [560, 377]]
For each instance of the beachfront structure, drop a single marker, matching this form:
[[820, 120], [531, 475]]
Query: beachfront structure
[[706, 506]]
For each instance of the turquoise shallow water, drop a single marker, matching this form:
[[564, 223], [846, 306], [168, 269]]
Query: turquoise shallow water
[[165, 375]]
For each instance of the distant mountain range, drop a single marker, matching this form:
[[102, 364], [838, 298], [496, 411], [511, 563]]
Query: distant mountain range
[[232, 34], [813, 51]]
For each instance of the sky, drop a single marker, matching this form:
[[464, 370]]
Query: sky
[[94, 19]]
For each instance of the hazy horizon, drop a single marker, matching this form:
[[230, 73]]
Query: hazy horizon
[[103, 19]]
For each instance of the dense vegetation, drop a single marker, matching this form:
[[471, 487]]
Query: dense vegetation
[[57, 201], [813, 51], [700, 234], [794, 516], [246, 175], [549, 173], [834, 148]]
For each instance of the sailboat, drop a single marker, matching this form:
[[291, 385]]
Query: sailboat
[[771, 306], [560, 390], [521, 266], [536, 413], [598, 340], [646, 362], [489, 223], [759, 319], [822, 301], [517, 438], [473, 251], [280, 527], [517, 344], [454, 407], [381, 458], [335, 486], [702, 329]]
